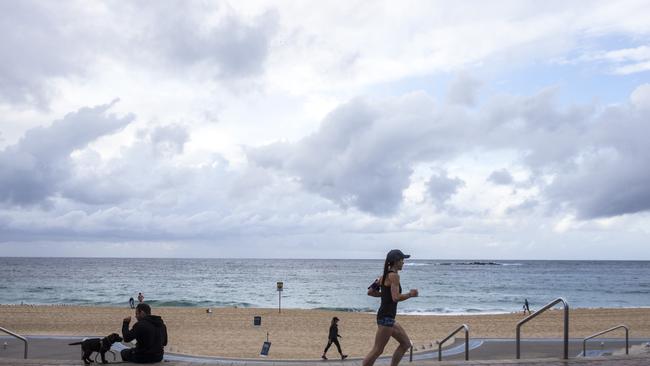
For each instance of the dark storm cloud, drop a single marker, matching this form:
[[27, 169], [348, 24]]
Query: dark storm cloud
[[34, 168]]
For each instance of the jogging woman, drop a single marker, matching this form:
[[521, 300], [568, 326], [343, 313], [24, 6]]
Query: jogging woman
[[390, 293]]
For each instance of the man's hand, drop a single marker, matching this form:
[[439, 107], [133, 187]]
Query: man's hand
[[127, 319]]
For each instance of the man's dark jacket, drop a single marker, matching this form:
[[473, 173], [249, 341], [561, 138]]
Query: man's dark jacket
[[151, 334]]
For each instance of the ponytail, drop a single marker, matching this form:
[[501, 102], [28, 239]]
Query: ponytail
[[383, 277]]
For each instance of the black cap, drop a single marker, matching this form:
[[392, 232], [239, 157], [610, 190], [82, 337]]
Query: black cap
[[395, 255]]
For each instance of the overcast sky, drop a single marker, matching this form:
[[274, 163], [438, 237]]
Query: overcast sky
[[337, 129]]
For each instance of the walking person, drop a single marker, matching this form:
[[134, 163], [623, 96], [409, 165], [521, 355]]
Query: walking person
[[334, 338], [526, 308], [140, 297], [390, 292], [131, 303]]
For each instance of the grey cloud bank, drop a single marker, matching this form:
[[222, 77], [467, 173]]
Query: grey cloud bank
[[361, 158], [35, 169], [363, 153]]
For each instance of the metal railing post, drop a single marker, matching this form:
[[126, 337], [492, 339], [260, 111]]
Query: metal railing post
[[627, 339], [17, 336], [466, 328], [546, 307]]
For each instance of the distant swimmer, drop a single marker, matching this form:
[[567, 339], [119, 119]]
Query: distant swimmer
[[390, 292], [333, 338]]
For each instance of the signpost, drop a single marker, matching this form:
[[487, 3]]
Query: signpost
[[280, 285]]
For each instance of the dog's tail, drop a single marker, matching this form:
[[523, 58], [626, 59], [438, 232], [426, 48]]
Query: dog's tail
[[74, 344]]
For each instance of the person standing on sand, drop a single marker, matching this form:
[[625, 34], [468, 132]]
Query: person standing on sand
[[131, 303], [390, 292], [333, 338], [140, 297]]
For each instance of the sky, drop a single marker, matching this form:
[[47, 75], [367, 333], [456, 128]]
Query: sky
[[338, 129]]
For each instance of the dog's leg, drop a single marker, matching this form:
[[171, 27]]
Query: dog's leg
[[86, 357], [103, 357]]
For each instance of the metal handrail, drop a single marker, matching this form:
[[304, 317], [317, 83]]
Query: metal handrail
[[464, 326], [566, 325], [17, 336], [627, 342]]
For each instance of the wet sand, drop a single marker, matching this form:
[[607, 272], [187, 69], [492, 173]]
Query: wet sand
[[302, 334]]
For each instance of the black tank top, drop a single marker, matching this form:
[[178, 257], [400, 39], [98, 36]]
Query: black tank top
[[388, 307]]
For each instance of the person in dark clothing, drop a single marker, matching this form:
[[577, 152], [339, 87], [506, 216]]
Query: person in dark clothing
[[131, 303], [334, 338], [526, 307], [150, 333], [390, 291]]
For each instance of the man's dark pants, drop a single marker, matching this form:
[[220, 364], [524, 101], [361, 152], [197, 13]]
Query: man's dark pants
[[129, 355]]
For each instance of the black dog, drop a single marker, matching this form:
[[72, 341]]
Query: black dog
[[90, 345]]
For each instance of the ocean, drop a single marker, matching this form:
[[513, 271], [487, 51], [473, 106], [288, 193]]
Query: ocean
[[445, 286]]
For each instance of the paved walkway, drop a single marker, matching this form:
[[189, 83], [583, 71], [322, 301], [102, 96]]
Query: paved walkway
[[634, 360], [51, 350]]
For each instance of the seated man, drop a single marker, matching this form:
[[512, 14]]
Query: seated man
[[150, 333]]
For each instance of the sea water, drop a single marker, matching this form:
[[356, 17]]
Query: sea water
[[446, 287]]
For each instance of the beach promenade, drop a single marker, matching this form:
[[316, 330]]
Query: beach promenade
[[54, 352], [633, 360]]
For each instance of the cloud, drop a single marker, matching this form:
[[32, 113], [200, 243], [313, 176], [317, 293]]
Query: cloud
[[463, 90], [441, 187], [36, 45], [169, 139], [208, 36], [501, 177], [361, 156], [36, 167], [608, 177], [43, 44], [364, 152]]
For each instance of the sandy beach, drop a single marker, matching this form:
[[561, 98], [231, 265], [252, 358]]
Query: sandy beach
[[302, 334]]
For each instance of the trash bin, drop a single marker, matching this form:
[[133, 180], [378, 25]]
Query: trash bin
[[257, 320]]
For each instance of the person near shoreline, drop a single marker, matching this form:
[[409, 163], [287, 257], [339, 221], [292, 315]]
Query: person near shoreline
[[526, 307], [150, 333], [390, 292], [140, 297], [131, 303], [334, 338]]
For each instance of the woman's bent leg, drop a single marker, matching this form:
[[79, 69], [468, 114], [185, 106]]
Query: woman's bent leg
[[381, 338], [404, 343]]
